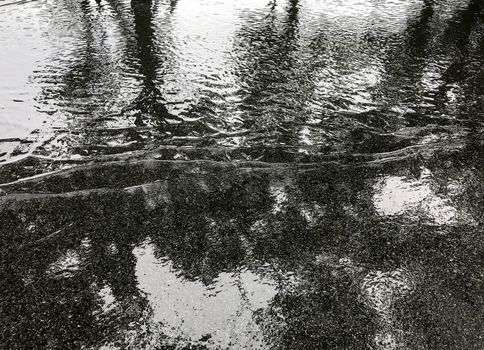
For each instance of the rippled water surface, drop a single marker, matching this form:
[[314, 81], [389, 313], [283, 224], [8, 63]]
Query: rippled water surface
[[86, 78], [205, 174]]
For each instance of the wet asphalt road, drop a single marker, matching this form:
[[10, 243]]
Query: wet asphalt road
[[242, 175]]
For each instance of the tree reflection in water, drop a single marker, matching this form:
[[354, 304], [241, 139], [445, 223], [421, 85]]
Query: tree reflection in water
[[322, 236], [361, 228], [150, 101]]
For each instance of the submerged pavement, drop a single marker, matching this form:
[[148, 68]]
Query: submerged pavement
[[156, 254]]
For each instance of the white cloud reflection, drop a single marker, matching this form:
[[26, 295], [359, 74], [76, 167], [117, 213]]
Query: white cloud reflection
[[396, 195], [192, 310]]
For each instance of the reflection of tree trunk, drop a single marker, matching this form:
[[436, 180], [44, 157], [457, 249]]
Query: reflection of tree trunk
[[83, 78], [419, 33], [144, 30], [409, 61], [270, 63], [458, 34], [150, 99], [458, 38], [292, 12], [173, 4]]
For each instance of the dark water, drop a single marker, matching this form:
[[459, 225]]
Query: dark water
[[242, 174]]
